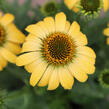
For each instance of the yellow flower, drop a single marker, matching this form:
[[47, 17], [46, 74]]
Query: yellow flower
[[56, 52], [87, 6], [10, 39], [106, 4], [106, 32]]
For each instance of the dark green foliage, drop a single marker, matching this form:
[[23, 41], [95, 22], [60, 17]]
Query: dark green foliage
[[15, 91]]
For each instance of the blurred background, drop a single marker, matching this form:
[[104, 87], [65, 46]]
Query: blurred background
[[15, 91]]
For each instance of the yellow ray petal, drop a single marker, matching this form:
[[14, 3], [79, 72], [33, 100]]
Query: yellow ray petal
[[31, 66], [70, 3], [67, 27], [45, 78], [8, 55], [79, 38], [87, 51], [85, 65], [31, 45], [6, 19], [3, 61], [26, 58], [86, 58], [54, 80], [106, 5], [31, 37], [14, 34], [107, 41], [1, 68], [106, 31], [60, 22], [77, 72], [36, 30], [76, 9], [50, 24], [66, 79], [43, 27], [13, 47], [74, 29], [38, 72], [27, 68]]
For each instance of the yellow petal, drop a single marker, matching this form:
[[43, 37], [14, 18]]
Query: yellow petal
[[60, 22], [76, 9], [8, 55], [106, 4], [14, 34], [31, 37], [43, 27], [70, 3], [31, 45], [86, 58], [107, 41], [36, 30], [50, 24], [13, 47], [1, 68], [45, 78], [87, 51], [28, 68], [77, 72], [65, 77], [79, 38], [26, 58], [40, 69], [31, 66], [74, 29], [85, 65], [67, 27], [54, 80], [3, 61], [106, 31], [7, 19]]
